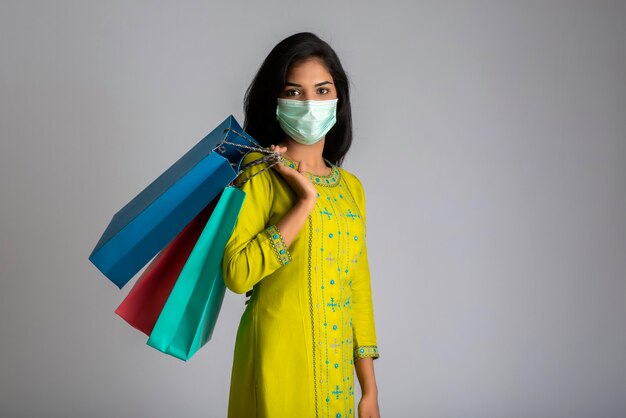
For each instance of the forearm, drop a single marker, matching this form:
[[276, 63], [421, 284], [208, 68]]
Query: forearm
[[293, 221], [365, 374]]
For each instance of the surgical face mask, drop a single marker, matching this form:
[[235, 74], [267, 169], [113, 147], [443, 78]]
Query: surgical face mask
[[306, 121]]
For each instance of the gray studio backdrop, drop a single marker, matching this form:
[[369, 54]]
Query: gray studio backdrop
[[490, 137]]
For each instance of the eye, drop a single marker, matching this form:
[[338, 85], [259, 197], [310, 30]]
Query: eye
[[324, 89], [291, 92]]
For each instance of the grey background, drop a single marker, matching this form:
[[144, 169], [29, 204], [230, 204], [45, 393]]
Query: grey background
[[491, 140]]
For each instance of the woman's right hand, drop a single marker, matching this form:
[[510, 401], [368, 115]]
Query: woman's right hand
[[297, 180]]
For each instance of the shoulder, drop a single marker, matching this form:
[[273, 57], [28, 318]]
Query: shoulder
[[354, 185], [260, 171], [351, 178], [251, 156]]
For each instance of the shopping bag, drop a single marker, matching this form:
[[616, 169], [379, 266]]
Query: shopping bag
[[189, 315], [153, 218], [145, 301]]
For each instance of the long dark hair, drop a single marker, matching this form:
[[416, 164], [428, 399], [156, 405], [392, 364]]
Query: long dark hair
[[260, 98]]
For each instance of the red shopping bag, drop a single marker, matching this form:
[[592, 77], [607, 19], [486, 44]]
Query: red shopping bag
[[143, 304]]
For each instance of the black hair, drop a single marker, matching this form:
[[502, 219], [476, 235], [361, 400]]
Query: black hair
[[260, 97]]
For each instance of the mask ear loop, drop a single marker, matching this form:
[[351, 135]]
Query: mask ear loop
[[270, 157]]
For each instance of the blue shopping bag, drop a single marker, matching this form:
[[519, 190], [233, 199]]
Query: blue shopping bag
[[145, 225], [188, 317]]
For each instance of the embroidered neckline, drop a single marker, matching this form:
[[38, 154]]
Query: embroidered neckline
[[328, 180]]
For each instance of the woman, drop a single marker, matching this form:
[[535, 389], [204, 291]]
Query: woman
[[299, 244]]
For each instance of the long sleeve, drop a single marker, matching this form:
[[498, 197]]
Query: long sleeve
[[364, 328], [255, 249]]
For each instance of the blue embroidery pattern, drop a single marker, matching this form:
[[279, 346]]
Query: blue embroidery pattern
[[336, 235], [365, 351], [330, 180], [278, 245]]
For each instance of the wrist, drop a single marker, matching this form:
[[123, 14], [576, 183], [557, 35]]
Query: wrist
[[307, 202], [370, 392]]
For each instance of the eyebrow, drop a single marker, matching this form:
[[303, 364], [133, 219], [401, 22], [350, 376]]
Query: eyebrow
[[299, 85]]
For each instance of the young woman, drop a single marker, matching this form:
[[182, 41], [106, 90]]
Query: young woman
[[298, 247]]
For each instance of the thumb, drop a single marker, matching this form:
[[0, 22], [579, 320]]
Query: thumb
[[301, 166]]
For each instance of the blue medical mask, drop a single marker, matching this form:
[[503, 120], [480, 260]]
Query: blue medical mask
[[306, 121]]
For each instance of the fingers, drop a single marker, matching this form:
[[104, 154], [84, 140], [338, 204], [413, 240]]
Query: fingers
[[301, 167], [278, 148]]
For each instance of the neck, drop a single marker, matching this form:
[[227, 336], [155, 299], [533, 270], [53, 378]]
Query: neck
[[310, 154]]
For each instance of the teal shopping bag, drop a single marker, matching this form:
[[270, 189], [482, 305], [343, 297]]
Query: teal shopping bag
[[189, 315]]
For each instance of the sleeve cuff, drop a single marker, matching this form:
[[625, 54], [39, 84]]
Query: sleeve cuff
[[278, 245], [366, 351]]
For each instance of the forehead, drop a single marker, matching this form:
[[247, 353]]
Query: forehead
[[312, 70]]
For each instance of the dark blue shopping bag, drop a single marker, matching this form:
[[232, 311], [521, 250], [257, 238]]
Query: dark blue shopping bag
[[143, 227]]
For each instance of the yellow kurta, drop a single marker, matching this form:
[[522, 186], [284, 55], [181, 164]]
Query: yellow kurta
[[310, 315]]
